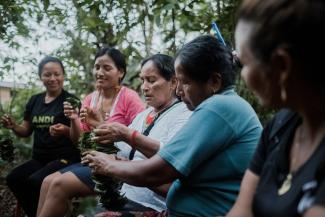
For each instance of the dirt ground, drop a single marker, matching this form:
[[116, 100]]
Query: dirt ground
[[7, 202]]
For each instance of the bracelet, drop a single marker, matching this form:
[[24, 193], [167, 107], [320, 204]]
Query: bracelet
[[133, 135]]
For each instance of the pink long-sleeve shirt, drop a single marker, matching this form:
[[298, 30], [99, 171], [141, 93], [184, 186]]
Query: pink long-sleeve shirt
[[126, 106]]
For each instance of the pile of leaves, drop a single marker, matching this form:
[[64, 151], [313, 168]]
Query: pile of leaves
[[6, 149], [107, 187], [6, 146]]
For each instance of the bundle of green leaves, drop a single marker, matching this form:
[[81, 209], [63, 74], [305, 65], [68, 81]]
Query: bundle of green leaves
[[107, 187], [6, 146], [74, 102], [86, 143]]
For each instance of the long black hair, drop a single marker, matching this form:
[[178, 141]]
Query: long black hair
[[204, 56]]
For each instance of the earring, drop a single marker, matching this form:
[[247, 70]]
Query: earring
[[283, 87], [283, 93]]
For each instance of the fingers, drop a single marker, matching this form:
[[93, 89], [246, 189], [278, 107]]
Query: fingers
[[57, 129], [104, 126], [105, 142], [103, 139], [84, 161], [103, 135], [7, 121], [68, 110], [57, 126], [83, 114], [51, 131], [85, 157], [88, 157], [101, 132]]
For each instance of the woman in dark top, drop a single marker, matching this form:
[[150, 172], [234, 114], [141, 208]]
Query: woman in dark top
[[280, 44], [52, 148]]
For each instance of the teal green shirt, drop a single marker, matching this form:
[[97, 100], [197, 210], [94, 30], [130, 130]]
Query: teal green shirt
[[211, 151]]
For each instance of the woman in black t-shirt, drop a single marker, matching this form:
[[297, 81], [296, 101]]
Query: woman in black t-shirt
[[52, 148], [281, 45]]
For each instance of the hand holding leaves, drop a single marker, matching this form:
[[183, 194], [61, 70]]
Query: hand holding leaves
[[71, 107]]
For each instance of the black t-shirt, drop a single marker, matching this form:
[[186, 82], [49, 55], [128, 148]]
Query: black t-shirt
[[41, 116], [271, 164]]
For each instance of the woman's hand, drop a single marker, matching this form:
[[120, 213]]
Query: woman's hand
[[99, 162], [8, 122], [111, 132], [69, 111], [90, 116], [57, 130]]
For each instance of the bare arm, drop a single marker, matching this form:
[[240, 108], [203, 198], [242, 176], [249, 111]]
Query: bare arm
[[162, 190], [114, 132], [22, 130], [75, 131], [146, 145], [243, 204], [315, 211], [145, 173], [72, 114]]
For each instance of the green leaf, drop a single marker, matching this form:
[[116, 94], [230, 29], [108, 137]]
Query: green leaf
[[46, 4], [169, 7], [157, 20]]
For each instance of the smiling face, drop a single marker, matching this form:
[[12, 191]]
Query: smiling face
[[191, 92], [52, 77], [106, 74], [261, 78], [157, 90]]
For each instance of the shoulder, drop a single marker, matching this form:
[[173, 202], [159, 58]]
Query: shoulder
[[90, 95], [144, 113], [229, 107], [225, 101], [176, 117], [179, 109], [67, 94], [279, 123], [278, 127], [141, 116], [36, 97], [130, 100], [129, 93]]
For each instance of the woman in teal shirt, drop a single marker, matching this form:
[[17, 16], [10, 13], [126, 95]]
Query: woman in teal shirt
[[207, 158]]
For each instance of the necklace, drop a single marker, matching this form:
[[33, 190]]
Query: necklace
[[301, 151], [105, 113], [286, 185]]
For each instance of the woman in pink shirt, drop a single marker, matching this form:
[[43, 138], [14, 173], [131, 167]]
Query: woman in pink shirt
[[110, 102]]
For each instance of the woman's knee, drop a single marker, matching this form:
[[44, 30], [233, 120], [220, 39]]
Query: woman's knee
[[47, 182], [66, 186], [59, 186]]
